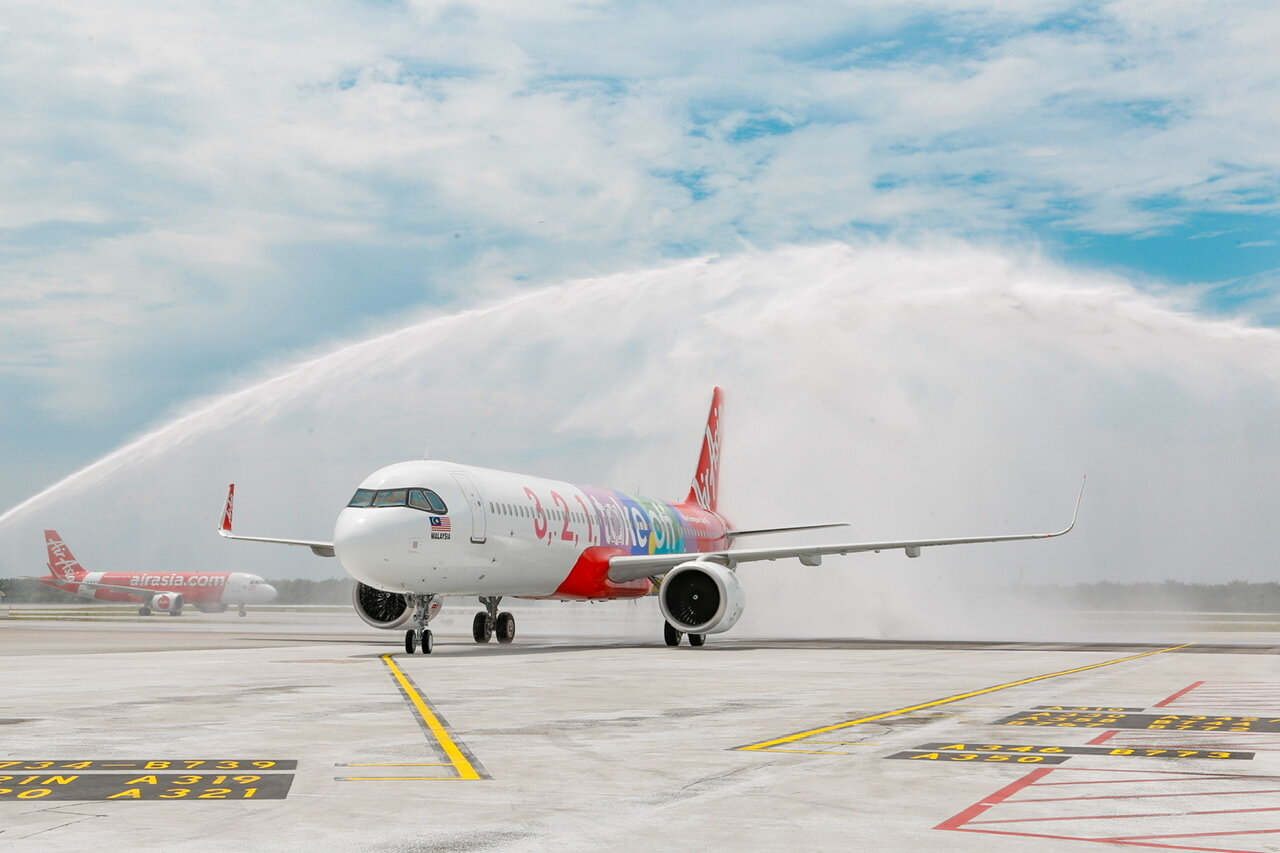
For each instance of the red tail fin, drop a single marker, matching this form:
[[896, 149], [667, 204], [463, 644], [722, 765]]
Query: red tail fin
[[226, 512], [705, 489], [62, 563]]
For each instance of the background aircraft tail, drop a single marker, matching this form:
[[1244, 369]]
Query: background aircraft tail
[[62, 563], [705, 489]]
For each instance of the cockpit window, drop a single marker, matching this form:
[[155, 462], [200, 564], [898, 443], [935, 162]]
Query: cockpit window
[[391, 497], [427, 500], [423, 499], [363, 497]]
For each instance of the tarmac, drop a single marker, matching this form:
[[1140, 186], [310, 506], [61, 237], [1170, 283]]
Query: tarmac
[[302, 729]]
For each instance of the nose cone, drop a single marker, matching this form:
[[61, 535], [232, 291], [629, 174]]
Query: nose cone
[[371, 544], [266, 592]]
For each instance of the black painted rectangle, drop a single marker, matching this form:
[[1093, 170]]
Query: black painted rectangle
[[1149, 722], [1087, 708], [979, 757], [207, 765], [1125, 751], [178, 787]]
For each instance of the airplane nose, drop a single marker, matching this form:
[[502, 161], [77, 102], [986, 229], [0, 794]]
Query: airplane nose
[[267, 592], [365, 540]]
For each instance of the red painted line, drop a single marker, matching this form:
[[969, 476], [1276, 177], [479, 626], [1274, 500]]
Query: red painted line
[[1120, 816], [1103, 738], [1124, 843], [1183, 692], [1123, 838], [1147, 796], [956, 821], [1182, 774]]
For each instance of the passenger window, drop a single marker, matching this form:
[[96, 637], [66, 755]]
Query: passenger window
[[363, 497], [391, 497]]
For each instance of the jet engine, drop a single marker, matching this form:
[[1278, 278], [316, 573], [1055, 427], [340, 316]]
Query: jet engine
[[167, 602], [701, 598], [379, 608]]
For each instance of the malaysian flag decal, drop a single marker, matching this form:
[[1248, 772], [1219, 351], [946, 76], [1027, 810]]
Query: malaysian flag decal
[[440, 525]]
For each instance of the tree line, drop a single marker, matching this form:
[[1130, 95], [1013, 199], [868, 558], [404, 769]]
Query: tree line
[[294, 591], [1232, 597]]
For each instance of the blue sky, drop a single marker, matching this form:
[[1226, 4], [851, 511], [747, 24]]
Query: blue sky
[[191, 194]]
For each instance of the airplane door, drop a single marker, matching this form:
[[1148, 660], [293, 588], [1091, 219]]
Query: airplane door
[[479, 520]]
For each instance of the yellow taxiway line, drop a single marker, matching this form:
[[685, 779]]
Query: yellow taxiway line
[[769, 745], [457, 758]]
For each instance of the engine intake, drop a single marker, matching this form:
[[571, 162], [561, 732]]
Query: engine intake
[[379, 608], [701, 598], [167, 602]]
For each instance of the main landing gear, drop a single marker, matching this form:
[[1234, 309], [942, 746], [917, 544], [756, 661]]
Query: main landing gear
[[672, 636], [419, 635], [491, 622]]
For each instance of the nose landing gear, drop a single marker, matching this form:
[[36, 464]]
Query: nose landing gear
[[419, 635], [673, 637]]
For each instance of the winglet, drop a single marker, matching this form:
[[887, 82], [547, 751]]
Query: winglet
[[225, 527], [1075, 514], [705, 489]]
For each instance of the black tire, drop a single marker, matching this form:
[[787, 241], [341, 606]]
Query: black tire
[[506, 628], [480, 628], [697, 639], [671, 635], [244, 613], [428, 642], [410, 641], [144, 611]]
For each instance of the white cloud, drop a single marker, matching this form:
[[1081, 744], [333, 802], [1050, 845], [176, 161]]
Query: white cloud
[[167, 167], [911, 391]]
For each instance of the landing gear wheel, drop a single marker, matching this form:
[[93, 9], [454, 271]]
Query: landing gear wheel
[[671, 635], [428, 642], [506, 628], [697, 639], [480, 628], [410, 641], [243, 612], [144, 611]]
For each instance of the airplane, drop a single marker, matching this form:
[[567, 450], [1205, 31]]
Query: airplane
[[416, 531], [166, 592]]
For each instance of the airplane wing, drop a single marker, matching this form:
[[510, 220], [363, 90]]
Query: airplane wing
[[625, 568], [320, 549]]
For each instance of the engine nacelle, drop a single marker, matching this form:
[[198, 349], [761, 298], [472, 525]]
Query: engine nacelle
[[167, 602], [701, 598], [379, 608]]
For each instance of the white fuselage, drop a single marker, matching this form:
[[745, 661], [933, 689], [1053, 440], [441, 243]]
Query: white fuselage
[[503, 533]]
